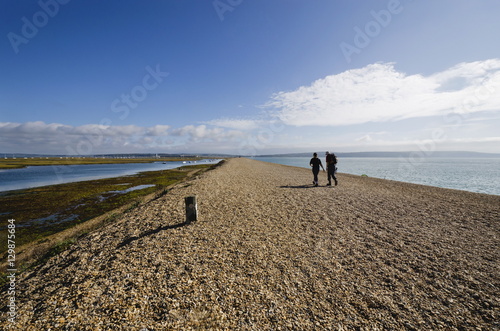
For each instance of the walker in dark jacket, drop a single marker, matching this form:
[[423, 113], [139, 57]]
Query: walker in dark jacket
[[331, 167], [315, 163]]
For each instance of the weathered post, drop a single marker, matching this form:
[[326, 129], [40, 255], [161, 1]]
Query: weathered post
[[191, 209]]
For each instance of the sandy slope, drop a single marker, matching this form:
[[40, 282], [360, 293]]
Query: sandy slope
[[271, 252]]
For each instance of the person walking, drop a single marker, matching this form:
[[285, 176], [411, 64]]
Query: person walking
[[331, 168], [315, 163]]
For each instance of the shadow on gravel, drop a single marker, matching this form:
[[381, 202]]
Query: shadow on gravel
[[297, 186], [150, 232]]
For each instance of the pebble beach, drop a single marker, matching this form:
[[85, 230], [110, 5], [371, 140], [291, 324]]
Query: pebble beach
[[271, 252]]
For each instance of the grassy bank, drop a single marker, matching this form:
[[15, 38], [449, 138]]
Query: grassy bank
[[42, 211], [47, 161]]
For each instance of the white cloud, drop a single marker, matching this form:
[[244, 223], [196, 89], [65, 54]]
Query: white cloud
[[379, 93], [55, 138], [202, 132], [197, 132], [33, 128], [158, 130]]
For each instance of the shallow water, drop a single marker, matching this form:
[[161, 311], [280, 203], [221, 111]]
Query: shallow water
[[35, 176], [480, 175]]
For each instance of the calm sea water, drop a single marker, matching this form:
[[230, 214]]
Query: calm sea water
[[481, 175], [29, 177]]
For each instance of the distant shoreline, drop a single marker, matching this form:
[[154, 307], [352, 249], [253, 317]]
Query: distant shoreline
[[409, 154]]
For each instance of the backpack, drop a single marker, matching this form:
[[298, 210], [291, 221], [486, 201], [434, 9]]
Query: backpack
[[331, 159]]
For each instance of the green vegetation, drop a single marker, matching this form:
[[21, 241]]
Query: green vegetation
[[40, 161], [52, 218], [43, 211]]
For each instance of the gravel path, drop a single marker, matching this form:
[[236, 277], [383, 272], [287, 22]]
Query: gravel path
[[272, 252]]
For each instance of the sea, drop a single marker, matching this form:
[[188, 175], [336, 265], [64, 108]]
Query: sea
[[36, 176], [480, 175]]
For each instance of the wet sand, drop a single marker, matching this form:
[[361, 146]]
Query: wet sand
[[270, 251]]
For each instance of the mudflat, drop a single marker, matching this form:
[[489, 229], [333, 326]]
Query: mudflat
[[270, 251]]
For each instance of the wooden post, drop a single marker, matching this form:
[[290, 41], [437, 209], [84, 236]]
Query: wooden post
[[191, 209]]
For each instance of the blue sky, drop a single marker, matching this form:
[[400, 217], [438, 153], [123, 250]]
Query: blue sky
[[249, 77]]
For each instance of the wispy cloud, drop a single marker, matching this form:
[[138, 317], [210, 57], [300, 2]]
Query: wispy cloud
[[34, 137], [34, 129], [379, 93], [202, 132]]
